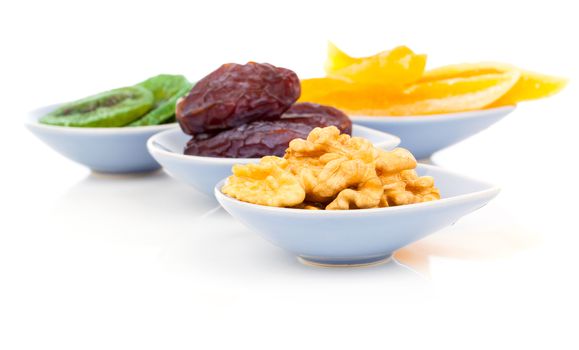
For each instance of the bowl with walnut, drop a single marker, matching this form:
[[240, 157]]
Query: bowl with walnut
[[337, 200]]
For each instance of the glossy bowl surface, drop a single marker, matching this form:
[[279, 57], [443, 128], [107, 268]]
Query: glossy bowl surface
[[425, 135], [361, 237], [107, 150]]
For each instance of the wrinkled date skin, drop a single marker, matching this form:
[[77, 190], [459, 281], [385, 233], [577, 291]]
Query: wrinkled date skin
[[318, 115], [252, 140], [262, 138], [237, 94]]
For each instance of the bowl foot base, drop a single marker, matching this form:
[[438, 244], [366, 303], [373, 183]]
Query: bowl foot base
[[139, 172], [345, 263]]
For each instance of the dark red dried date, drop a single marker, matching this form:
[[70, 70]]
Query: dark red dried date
[[237, 94], [318, 115], [261, 138], [251, 140]]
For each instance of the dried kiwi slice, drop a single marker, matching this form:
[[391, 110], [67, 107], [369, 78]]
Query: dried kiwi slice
[[108, 109], [166, 89]]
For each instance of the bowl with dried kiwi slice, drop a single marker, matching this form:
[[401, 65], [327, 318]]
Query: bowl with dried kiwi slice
[[107, 132]]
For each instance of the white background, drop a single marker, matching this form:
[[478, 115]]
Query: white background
[[104, 262]]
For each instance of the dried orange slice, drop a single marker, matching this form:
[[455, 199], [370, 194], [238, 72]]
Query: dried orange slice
[[338, 59], [316, 88], [465, 70], [431, 97], [394, 83], [452, 95], [530, 86], [345, 94], [396, 67]]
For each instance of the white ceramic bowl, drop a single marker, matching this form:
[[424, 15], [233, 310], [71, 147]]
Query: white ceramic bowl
[[424, 135], [361, 237], [204, 172], [108, 150]]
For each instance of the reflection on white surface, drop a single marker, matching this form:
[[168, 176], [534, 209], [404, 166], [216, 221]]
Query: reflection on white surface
[[227, 248], [483, 241], [138, 208]]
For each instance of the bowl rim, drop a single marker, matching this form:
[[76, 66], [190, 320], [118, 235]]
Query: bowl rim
[[491, 191], [433, 118], [34, 115], [156, 147]]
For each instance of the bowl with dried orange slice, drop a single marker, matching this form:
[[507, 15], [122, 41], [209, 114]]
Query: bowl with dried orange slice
[[428, 109]]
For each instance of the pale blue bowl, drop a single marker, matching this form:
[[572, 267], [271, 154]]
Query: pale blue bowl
[[361, 237], [425, 135], [107, 150], [203, 173]]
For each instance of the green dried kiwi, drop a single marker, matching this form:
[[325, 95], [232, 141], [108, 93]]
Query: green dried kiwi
[[112, 108], [163, 114], [170, 120], [166, 89]]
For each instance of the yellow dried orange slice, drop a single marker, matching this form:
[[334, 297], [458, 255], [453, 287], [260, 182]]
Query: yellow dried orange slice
[[345, 94], [452, 95], [465, 70], [338, 59], [396, 67], [432, 97], [316, 88], [530, 86]]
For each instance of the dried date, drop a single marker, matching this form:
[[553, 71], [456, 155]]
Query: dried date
[[318, 115], [251, 140], [237, 94], [261, 138]]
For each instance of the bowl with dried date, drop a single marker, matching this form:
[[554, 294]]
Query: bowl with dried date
[[203, 172], [239, 113]]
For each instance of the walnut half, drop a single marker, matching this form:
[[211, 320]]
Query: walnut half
[[336, 169], [267, 183]]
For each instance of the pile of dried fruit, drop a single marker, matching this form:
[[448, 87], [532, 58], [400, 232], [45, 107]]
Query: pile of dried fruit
[[333, 171], [150, 102], [248, 111], [395, 83]]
